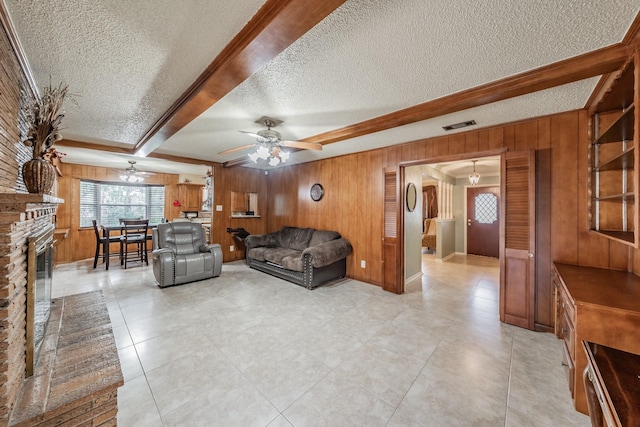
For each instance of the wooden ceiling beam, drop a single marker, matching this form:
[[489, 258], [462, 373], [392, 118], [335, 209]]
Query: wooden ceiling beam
[[272, 29], [630, 39], [130, 152], [584, 66]]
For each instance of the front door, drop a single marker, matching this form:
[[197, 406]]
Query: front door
[[483, 222]]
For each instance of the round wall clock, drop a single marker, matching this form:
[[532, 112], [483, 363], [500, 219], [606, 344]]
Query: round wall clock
[[316, 192]]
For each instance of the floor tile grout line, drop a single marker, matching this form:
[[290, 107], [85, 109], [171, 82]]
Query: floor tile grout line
[[506, 406]]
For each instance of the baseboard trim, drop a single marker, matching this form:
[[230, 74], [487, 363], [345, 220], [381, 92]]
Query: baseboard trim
[[414, 277], [451, 255]]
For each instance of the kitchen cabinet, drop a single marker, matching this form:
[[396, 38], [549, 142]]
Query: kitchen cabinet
[[190, 196]]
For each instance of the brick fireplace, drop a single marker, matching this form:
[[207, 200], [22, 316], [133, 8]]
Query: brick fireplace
[[76, 377], [22, 216]]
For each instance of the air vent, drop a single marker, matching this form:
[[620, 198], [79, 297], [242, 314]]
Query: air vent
[[459, 125]]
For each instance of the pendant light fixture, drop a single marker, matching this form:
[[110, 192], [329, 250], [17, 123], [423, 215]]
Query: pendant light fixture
[[474, 178]]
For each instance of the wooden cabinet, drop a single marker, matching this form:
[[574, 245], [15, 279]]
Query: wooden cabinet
[[599, 306], [190, 196], [242, 203], [613, 389], [614, 157], [565, 329]]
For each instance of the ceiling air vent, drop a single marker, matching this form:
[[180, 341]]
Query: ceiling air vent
[[459, 125]]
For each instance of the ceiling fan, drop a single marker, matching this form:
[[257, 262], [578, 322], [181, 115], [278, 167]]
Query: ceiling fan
[[270, 143], [131, 174]]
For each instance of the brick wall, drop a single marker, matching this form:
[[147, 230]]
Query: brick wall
[[17, 222], [13, 88]]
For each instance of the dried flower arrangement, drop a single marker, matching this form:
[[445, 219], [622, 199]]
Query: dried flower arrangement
[[43, 117]]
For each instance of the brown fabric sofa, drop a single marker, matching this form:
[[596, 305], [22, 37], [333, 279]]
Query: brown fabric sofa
[[304, 256]]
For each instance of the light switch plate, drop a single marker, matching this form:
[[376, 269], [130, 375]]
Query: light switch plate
[[219, 208]]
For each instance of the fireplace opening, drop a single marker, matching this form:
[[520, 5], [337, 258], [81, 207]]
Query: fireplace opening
[[39, 278]]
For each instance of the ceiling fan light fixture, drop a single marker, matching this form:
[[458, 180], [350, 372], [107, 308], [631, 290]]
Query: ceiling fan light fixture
[[131, 178], [274, 161], [474, 178], [254, 157], [271, 152]]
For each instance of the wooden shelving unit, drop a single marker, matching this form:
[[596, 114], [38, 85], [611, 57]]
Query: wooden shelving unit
[[614, 159]]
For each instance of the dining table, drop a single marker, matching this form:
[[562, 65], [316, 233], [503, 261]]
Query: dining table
[[108, 229]]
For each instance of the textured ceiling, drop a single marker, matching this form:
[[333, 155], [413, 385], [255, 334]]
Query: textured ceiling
[[129, 61]]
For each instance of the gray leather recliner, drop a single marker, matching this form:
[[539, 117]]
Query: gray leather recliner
[[181, 254]]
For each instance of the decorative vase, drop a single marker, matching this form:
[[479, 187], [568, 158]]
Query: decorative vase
[[38, 176]]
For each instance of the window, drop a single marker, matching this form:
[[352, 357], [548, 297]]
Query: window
[[486, 208], [107, 202]]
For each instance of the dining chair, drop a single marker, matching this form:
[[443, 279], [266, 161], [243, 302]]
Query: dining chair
[[101, 242], [122, 220], [134, 233]]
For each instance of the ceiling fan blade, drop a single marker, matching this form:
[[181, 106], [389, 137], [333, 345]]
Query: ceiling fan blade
[[253, 134], [233, 150], [301, 144]]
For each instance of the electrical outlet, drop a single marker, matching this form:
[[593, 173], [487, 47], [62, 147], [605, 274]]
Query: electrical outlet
[[363, 263], [231, 248], [219, 208]]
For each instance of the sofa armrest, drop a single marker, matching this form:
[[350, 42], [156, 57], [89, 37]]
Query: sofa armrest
[[164, 254], [328, 252], [210, 248], [216, 251], [164, 266], [257, 240]]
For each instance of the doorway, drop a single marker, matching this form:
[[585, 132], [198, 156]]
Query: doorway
[[483, 221]]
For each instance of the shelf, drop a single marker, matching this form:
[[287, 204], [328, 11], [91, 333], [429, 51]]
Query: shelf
[[619, 96], [613, 174], [620, 130], [622, 161], [617, 197], [245, 216], [621, 236]]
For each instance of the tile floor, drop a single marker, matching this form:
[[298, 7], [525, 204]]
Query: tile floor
[[248, 349]]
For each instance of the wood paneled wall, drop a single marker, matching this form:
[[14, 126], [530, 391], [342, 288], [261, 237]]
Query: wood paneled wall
[[351, 205], [353, 185], [81, 242], [353, 198], [243, 180]]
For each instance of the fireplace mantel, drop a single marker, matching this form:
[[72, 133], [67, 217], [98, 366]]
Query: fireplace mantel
[[20, 202]]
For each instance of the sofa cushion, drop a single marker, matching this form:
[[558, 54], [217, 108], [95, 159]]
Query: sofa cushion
[[181, 237], [275, 255], [322, 236], [257, 253], [190, 264], [293, 263], [295, 238]]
